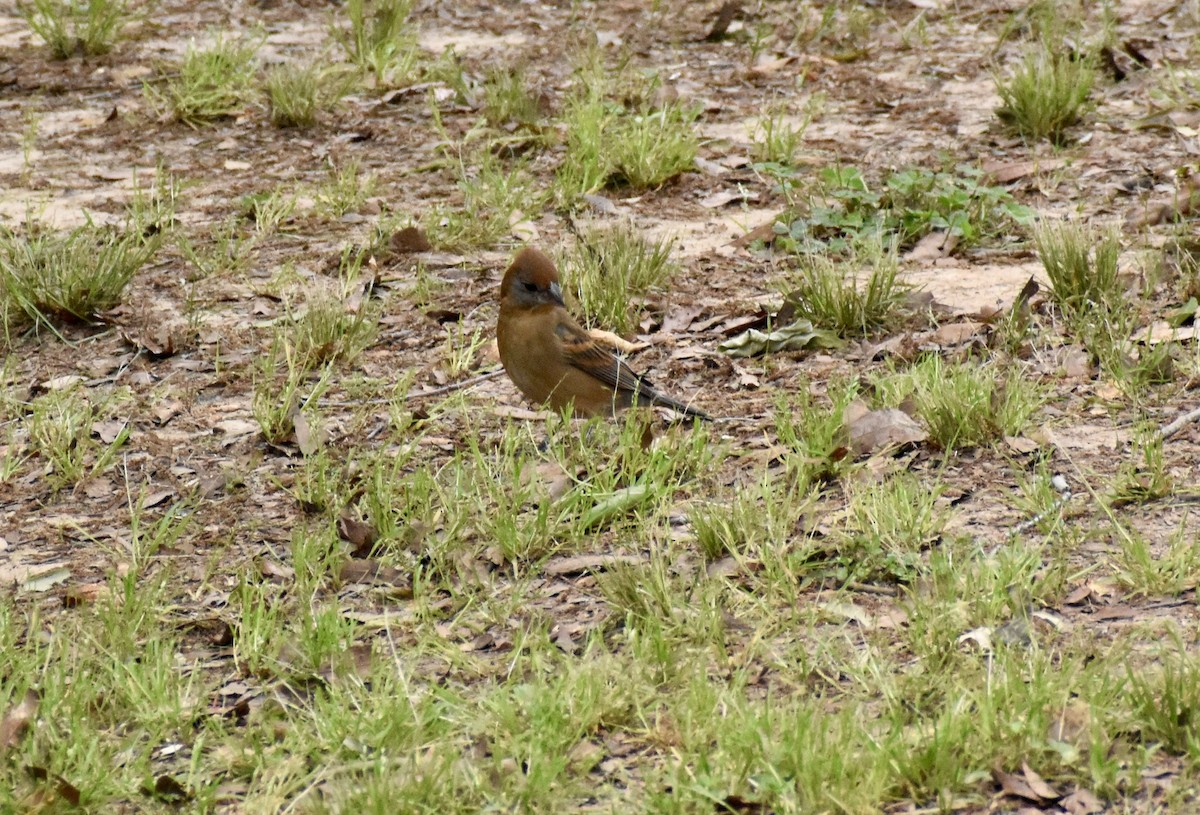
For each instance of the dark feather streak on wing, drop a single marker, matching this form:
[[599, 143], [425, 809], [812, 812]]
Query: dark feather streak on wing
[[584, 353]]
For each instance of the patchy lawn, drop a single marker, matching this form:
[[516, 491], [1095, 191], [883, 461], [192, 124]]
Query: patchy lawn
[[276, 535]]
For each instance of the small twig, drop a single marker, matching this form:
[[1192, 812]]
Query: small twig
[[454, 386], [753, 417], [1029, 523], [1174, 427], [1064, 495], [466, 383], [112, 378], [870, 588]]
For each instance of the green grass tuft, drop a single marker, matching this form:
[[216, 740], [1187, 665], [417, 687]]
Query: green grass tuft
[[52, 279]]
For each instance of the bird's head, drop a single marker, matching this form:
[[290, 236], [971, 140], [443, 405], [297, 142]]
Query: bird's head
[[531, 281]]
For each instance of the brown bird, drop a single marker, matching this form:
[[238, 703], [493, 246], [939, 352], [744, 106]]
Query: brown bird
[[552, 360]]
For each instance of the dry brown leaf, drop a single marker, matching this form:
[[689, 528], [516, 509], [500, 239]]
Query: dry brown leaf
[[1084, 437], [953, 334], [274, 570], [153, 499], [564, 638], [710, 167], [1072, 724], [361, 535], [1104, 587], [1048, 620], [891, 618], [1022, 445], [689, 352], [762, 232], [1161, 331], [766, 67], [59, 383], [1026, 293], [1078, 595], [1077, 363], [99, 487], [372, 572], [680, 317], [1038, 784], [354, 661], [1184, 203], [166, 410], [17, 720], [880, 429], [747, 380], [601, 204], [1081, 802], [490, 353], [932, 246], [725, 567], [1006, 172], [718, 199], [1014, 785], [735, 161], [482, 641], [855, 411], [103, 366], [581, 564], [235, 428], [158, 339], [1117, 611], [852, 612], [525, 231], [308, 438], [46, 797], [516, 412], [549, 476], [198, 366]]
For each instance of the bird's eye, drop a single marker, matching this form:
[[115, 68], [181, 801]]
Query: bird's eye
[[531, 287]]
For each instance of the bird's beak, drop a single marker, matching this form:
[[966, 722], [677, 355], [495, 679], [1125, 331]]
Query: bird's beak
[[556, 293]]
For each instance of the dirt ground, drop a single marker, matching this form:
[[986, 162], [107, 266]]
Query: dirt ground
[[185, 345]]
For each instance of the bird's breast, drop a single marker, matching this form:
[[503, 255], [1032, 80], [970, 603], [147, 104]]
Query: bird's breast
[[530, 352]]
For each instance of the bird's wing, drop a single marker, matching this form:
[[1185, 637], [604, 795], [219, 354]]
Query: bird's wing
[[582, 352]]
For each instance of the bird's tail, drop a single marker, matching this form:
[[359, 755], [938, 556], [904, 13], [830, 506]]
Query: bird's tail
[[655, 398]]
